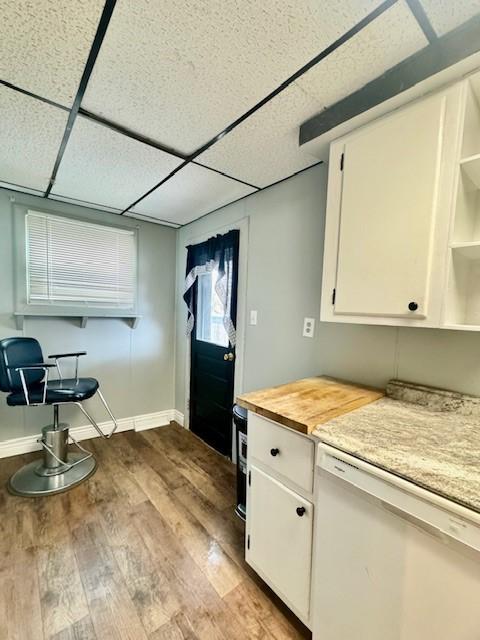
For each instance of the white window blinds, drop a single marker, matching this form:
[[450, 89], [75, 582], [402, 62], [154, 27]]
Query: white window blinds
[[71, 262]]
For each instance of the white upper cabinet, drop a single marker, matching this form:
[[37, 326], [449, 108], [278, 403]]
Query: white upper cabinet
[[388, 210]]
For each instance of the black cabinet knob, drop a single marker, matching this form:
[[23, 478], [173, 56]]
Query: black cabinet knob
[[274, 452], [301, 511], [413, 306]]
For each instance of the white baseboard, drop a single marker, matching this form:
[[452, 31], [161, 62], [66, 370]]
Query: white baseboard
[[26, 444], [179, 417]]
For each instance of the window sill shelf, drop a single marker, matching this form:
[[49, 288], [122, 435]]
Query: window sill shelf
[[131, 319]]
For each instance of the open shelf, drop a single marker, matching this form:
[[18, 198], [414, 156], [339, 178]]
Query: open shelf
[[467, 208], [462, 302], [471, 167], [131, 319], [462, 327], [463, 291], [471, 128], [470, 250]]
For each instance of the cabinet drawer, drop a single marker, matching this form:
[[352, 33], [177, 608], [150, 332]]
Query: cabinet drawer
[[285, 452]]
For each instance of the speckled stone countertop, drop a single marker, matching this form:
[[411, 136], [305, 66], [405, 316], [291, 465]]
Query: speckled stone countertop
[[428, 436]]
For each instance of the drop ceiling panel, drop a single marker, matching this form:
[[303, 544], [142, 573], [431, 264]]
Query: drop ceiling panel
[[45, 44], [103, 166], [384, 43], [264, 148], [192, 192], [83, 203], [196, 67], [445, 15], [30, 136]]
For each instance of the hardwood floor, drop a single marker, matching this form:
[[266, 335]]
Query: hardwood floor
[[148, 548]]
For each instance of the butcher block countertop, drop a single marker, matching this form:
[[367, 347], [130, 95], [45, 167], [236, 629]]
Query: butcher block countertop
[[305, 404]]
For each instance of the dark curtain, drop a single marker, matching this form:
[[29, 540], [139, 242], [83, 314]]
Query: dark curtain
[[220, 253]]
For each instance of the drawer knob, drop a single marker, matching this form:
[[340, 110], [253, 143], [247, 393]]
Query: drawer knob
[[274, 452], [413, 306], [301, 511]]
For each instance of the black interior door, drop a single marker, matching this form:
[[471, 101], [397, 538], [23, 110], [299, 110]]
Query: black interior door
[[213, 361]]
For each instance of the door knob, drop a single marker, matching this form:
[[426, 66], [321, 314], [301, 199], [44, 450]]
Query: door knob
[[301, 511], [274, 452], [413, 306], [228, 357]]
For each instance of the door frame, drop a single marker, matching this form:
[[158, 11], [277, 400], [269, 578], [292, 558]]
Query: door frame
[[243, 226]]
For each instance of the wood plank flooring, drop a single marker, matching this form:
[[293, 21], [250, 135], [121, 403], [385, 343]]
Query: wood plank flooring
[[148, 549]]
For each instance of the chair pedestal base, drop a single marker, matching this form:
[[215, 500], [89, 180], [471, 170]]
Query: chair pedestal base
[[59, 470], [31, 482]]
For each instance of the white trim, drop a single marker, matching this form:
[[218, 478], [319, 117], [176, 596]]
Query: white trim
[[179, 417], [27, 444]]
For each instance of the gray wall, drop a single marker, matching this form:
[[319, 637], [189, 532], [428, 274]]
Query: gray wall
[[284, 282], [135, 367]]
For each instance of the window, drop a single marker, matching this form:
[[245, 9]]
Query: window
[[210, 311], [71, 262]]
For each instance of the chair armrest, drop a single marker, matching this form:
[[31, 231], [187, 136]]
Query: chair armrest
[[45, 366], [59, 356], [68, 355], [39, 365]]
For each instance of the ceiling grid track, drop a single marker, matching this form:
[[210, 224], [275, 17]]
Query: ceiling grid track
[[314, 61], [436, 45], [25, 92], [125, 131], [422, 19], [87, 72]]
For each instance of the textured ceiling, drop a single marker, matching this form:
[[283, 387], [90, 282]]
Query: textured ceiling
[[270, 136], [228, 55], [30, 134], [191, 192], [448, 14], [107, 168], [385, 42], [264, 148], [176, 74], [45, 43]]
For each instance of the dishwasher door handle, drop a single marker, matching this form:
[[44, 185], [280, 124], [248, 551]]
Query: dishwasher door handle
[[416, 522]]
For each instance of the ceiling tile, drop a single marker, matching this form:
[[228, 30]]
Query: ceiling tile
[[20, 189], [106, 167], [192, 192], [194, 67], [84, 203], [388, 40], [270, 136], [45, 44], [264, 148], [30, 136], [445, 15]]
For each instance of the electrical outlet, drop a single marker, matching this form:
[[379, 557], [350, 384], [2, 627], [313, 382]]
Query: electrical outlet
[[308, 327], [253, 316]]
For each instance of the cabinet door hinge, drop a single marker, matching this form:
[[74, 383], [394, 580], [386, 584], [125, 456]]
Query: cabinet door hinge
[[342, 160], [248, 541], [334, 293], [249, 478]]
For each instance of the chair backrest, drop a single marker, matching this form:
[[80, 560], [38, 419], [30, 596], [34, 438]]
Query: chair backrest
[[17, 352]]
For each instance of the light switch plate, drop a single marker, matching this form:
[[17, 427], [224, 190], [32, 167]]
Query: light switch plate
[[253, 316], [308, 327]]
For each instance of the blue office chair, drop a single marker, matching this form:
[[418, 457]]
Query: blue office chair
[[25, 376]]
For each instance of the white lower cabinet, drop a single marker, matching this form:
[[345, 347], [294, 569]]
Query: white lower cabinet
[[279, 539]]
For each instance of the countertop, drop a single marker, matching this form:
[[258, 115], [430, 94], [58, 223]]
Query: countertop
[[304, 404], [428, 436]]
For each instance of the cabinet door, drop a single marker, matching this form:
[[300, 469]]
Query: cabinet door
[[388, 205], [280, 543]]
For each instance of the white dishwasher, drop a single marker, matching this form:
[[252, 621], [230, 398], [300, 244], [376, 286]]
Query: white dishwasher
[[391, 561]]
